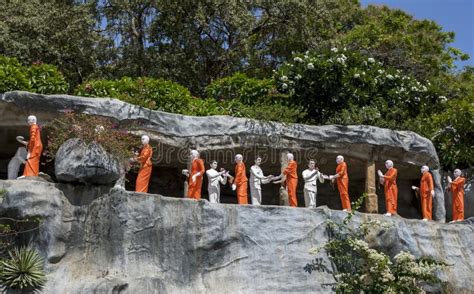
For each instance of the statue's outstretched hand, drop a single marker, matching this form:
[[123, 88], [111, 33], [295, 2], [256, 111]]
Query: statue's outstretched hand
[[234, 187]]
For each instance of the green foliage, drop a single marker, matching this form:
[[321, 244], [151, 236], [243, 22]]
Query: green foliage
[[418, 47], [46, 79], [452, 133], [156, 94], [357, 268], [24, 270], [62, 33], [12, 75], [240, 87], [39, 78], [115, 139], [362, 88]]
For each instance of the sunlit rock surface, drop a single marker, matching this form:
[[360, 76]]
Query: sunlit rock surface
[[125, 242]]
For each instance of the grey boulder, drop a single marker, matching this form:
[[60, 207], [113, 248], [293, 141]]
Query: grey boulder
[[77, 161]]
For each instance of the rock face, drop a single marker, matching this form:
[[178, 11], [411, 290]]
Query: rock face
[[77, 161], [221, 137], [34, 197], [126, 242]]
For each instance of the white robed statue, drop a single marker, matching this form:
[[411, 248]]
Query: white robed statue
[[256, 180], [215, 179]]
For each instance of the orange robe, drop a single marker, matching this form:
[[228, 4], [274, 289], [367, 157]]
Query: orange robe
[[426, 186], [391, 190], [194, 188], [291, 182], [35, 147], [144, 173], [241, 182], [343, 185], [457, 192]]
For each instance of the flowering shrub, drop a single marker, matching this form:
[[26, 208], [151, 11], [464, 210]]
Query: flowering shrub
[[367, 91], [357, 268], [116, 140]]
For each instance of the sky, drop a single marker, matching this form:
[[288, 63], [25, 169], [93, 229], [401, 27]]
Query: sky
[[453, 15]]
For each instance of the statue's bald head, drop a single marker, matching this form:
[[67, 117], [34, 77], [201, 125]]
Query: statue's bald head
[[457, 172], [339, 159], [238, 158], [194, 154], [425, 169], [290, 156], [388, 164], [31, 119], [145, 139]]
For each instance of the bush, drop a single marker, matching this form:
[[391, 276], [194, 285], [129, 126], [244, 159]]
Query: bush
[[240, 87], [357, 268], [38, 78], [12, 75], [24, 270], [116, 140], [238, 95], [46, 79], [155, 94]]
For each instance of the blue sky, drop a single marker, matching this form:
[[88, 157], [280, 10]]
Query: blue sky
[[453, 15]]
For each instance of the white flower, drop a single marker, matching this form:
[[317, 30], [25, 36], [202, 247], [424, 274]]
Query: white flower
[[417, 99], [345, 49], [340, 60], [298, 76], [363, 73], [390, 77], [356, 75], [298, 59], [284, 78], [414, 88], [371, 60], [306, 57], [334, 49], [284, 86], [443, 99], [99, 129], [380, 71], [424, 89], [310, 66]]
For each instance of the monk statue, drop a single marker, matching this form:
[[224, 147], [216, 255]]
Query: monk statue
[[215, 179], [290, 177], [195, 176], [457, 191], [144, 158], [389, 182], [342, 180], [240, 180], [34, 148], [256, 180], [426, 191], [310, 177]]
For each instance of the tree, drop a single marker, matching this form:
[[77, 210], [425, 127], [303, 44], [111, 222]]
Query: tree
[[127, 23], [418, 47], [62, 33]]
